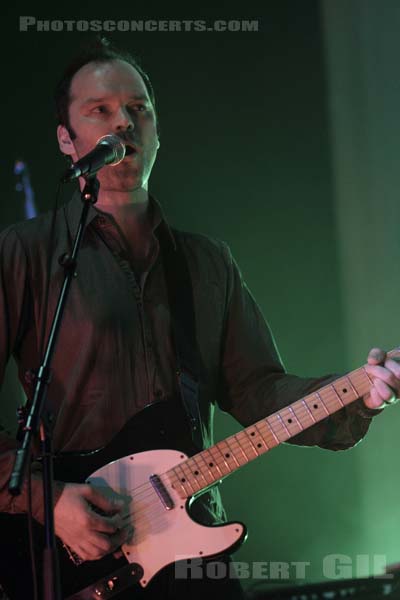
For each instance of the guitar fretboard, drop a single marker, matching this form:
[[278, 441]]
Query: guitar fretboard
[[211, 465]]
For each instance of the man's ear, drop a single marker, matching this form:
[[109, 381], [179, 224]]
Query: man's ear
[[65, 143]]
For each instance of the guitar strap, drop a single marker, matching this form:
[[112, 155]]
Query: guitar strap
[[183, 326]]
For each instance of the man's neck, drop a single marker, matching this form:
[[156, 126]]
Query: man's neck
[[124, 205], [130, 212]]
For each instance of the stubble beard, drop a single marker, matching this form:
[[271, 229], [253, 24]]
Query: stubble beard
[[122, 178]]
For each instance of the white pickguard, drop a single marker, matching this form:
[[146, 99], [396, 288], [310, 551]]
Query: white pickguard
[[160, 536]]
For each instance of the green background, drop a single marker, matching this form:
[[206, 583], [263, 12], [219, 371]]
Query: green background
[[283, 143]]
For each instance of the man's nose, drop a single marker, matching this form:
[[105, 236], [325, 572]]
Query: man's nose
[[123, 120]]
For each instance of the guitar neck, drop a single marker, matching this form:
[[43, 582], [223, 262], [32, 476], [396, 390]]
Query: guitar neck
[[209, 466]]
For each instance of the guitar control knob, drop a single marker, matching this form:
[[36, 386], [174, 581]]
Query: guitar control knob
[[106, 587]]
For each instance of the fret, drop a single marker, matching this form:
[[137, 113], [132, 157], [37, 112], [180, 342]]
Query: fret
[[367, 376], [294, 414], [182, 479], [229, 455], [198, 470], [220, 460], [241, 449], [316, 406], [173, 477], [302, 414], [270, 428], [282, 422], [338, 396], [192, 481], [245, 444], [361, 381], [322, 402], [308, 410], [258, 427], [212, 463], [341, 387], [187, 471], [223, 458], [232, 442], [268, 437], [291, 408], [205, 469], [273, 429], [353, 388], [291, 427], [251, 443]]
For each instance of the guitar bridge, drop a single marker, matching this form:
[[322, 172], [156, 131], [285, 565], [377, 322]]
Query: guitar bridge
[[161, 492]]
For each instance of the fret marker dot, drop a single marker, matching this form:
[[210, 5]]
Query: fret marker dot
[[259, 445], [315, 406], [196, 472], [344, 390], [183, 480], [211, 464], [227, 455], [289, 420], [252, 433]]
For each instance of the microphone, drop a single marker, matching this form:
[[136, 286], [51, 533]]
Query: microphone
[[109, 150]]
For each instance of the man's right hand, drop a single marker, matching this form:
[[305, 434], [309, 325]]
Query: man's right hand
[[89, 534]]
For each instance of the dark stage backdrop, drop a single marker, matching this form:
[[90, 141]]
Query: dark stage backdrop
[[246, 156]]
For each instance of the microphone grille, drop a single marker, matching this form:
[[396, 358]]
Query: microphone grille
[[117, 145]]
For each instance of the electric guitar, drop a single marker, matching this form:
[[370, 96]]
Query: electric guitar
[[160, 485]]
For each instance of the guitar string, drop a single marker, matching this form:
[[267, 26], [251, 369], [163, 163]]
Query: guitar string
[[145, 490], [275, 421]]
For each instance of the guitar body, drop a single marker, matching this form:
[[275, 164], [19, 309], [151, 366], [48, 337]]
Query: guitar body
[[147, 463], [164, 532]]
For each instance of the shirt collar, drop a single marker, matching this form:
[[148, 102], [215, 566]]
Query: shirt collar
[[73, 210]]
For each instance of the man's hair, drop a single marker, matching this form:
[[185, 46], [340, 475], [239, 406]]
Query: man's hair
[[100, 50]]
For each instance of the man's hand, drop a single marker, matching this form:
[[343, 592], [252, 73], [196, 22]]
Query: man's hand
[[89, 534], [385, 373]]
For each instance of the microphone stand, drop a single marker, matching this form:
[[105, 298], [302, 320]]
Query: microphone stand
[[38, 418]]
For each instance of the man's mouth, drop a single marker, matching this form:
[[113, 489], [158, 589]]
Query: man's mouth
[[130, 149]]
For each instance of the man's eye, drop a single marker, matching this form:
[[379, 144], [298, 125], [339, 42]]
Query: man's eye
[[99, 109], [139, 107]]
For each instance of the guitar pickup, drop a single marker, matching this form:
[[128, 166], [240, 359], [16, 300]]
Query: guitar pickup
[[161, 492]]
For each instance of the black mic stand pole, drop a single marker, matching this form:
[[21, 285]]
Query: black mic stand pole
[[38, 418]]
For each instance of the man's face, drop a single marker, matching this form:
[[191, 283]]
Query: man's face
[[108, 98]]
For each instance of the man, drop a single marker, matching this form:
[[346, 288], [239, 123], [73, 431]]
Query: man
[[115, 355]]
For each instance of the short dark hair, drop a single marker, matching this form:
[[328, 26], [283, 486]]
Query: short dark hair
[[100, 50]]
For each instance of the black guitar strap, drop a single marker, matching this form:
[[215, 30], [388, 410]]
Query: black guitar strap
[[183, 325]]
